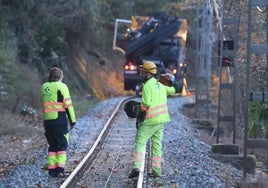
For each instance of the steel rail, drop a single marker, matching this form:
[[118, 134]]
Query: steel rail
[[142, 171], [72, 178]]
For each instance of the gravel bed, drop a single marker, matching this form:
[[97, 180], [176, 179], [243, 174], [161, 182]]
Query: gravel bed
[[82, 137], [186, 162]]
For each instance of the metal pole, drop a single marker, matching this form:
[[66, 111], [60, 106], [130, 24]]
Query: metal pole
[[247, 87], [267, 76], [220, 71]]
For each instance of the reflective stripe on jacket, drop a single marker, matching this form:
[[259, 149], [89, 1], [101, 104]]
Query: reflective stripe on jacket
[[57, 102], [154, 101]]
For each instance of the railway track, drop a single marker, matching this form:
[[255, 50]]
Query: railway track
[[108, 163]]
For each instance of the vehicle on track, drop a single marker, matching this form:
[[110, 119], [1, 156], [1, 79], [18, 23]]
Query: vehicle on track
[[159, 38]]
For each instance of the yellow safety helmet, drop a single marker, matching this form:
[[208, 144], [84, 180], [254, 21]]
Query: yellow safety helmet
[[149, 67]]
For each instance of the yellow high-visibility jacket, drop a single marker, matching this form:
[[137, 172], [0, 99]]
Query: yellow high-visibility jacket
[[57, 103], [154, 102]]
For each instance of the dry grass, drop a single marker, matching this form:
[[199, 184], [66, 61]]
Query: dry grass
[[82, 104], [12, 124]]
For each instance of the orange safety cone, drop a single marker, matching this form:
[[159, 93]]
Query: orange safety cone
[[183, 92], [184, 86]]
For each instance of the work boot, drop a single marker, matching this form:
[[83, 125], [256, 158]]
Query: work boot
[[134, 173], [61, 175], [52, 172], [60, 172]]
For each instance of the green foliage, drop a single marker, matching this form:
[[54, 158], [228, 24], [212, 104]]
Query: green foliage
[[258, 118], [37, 34], [259, 22], [51, 37], [81, 105], [9, 124], [17, 81], [42, 26], [7, 57], [148, 7]]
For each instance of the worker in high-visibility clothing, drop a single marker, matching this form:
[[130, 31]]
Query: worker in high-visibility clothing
[[57, 111], [154, 107]]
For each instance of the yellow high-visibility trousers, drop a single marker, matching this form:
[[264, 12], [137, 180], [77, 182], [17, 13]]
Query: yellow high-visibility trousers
[[144, 133]]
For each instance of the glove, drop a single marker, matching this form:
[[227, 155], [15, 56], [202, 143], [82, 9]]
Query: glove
[[140, 118], [171, 77], [137, 123], [177, 86], [167, 79], [72, 125]]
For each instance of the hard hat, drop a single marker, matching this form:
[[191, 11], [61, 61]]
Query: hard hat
[[55, 74], [132, 109], [149, 67]]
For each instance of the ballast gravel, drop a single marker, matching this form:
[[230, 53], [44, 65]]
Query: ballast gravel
[[186, 158]]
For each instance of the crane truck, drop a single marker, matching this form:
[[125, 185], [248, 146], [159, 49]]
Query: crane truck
[[158, 38]]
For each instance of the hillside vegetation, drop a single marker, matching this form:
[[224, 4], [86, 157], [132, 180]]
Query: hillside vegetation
[[74, 35], [77, 36]]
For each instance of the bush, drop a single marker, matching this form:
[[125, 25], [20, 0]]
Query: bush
[[9, 124], [258, 120]]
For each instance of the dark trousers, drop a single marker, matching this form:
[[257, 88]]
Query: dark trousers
[[57, 139]]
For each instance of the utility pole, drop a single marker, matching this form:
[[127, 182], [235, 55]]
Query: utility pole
[[203, 58]]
